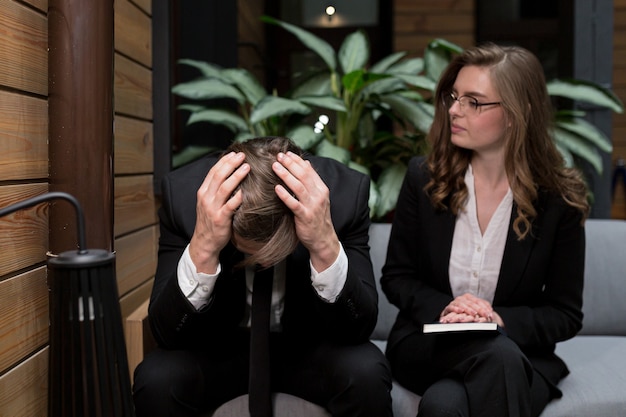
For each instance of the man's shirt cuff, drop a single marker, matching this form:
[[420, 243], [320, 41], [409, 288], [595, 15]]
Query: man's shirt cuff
[[196, 286], [330, 282]]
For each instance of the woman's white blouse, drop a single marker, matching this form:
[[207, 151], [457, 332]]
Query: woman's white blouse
[[476, 258]]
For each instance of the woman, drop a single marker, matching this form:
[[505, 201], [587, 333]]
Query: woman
[[488, 227]]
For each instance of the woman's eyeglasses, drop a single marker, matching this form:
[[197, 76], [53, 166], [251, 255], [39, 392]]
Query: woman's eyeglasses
[[469, 105]]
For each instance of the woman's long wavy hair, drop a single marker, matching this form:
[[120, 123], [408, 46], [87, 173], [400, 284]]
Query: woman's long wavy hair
[[262, 217], [532, 160]]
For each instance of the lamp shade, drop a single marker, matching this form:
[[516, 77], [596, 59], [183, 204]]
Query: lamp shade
[[88, 365], [88, 369]]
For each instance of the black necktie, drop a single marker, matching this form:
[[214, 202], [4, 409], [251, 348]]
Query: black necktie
[[260, 401]]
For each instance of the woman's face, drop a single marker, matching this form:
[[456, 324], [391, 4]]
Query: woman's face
[[479, 129]]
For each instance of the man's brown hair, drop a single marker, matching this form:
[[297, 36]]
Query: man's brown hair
[[263, 217]]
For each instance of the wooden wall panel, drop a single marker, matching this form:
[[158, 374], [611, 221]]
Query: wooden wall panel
[[23, 48], [251, 38], [433, 23], [134, 203], [133, 88], [145, 5], [24, 237], [429, 6], [134, 308], [416, 44], [24, 316], [136, 259], [133, 36], [135, 226], [41, 5], [134, 146], [416, 23], [134, 299], [24, 389], [24, 133]]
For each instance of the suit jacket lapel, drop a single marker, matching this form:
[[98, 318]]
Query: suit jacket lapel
[[444, 224], [514, 261]]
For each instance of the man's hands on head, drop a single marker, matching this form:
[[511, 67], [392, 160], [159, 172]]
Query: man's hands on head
[[214, 211], [310, 205]]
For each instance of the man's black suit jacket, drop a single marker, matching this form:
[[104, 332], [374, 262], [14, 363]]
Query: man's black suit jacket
[[539, 290], [306, 317]]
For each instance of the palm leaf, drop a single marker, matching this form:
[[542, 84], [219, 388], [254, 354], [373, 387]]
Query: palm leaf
[[382, 65], [578, 146], [190, 153], [271, 106], [389, 184], [304, 136], [583, 128], [207, 69], [411, 66], [418, 81], [326, 102], [318, 85], [354, 51], [415, 113], [220, 117], [315, 44], [246, 82], [587, 92], [207, 88], [328, 150], [437, 57]]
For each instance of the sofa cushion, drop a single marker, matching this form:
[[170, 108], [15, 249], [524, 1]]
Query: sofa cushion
[[604, 298], [285, 405], [379, 236], [596, 385]]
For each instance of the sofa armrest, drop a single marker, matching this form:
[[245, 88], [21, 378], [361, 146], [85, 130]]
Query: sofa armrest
[[139, 340]]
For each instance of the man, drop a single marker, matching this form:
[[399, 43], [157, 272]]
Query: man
[[312, 227]]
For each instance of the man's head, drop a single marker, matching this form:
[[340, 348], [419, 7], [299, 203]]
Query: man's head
[[262, 225]]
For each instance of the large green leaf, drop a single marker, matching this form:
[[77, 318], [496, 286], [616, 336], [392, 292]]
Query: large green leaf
[[190, 153], [318, 85], [437, 57], [355, 81], [586, 130], [191, 107], [354, 52], [578, 146], [586, 91], [304, 136], [315, 44], [207, 88], [410, 111], [246, 82], [381, 66], [328, 150], [220, 117], [271, 106], [206, 68], [418, 81], [412, 66], [374, 196], [389, 184], [382, 86], [244, 136], [326, 102]]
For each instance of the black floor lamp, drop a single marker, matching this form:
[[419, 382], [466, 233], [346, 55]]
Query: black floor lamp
[[88, 368]]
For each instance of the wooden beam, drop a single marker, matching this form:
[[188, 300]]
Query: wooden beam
[[81, 118]]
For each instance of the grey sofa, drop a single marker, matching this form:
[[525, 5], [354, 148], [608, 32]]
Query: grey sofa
[[596, 385]]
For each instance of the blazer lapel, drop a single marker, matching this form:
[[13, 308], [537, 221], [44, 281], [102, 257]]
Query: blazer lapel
[[514, 261]]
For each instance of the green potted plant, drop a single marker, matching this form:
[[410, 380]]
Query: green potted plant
[[358, 96]]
